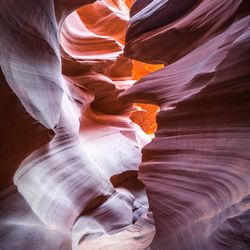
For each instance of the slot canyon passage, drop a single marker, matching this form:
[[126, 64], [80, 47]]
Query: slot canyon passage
[[125, 124]]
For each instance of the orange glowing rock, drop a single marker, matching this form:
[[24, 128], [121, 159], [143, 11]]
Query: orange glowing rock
[[129, 3], [105, 22], [145, 114], [145, 117], [141, 69], [106, 18]]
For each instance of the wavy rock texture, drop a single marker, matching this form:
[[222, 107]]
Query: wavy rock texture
[[196, 170], [69, 151], [67, 141]]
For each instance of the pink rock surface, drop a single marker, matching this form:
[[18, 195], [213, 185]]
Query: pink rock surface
[[70, 153], [73, 153], [196, 170]]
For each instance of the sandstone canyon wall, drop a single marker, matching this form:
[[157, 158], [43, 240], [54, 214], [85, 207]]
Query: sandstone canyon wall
[[72, 172], [196, 170]]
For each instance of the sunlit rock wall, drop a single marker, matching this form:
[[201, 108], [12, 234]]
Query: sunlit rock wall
[[197, 169], [70, 152]]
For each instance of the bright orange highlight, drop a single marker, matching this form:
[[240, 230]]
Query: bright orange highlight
[[145, 114], [141, 69], [129, 3]]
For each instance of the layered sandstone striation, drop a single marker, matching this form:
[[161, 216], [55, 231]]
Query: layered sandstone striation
[[69, 153], [74, 73], [196, 170]]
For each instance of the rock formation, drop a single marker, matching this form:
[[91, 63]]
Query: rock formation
[[76, 172], [196, 170]]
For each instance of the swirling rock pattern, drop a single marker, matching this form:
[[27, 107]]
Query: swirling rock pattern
[[196, 170], [70, 153], [77, 177]]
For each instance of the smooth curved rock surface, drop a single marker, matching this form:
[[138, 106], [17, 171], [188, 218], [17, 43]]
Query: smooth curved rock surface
[[196, 170], [17, 126], [69, 151], [74, 153]]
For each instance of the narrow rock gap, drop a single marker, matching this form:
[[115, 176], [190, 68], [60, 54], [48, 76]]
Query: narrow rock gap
[[144, 114], [97, 79]]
